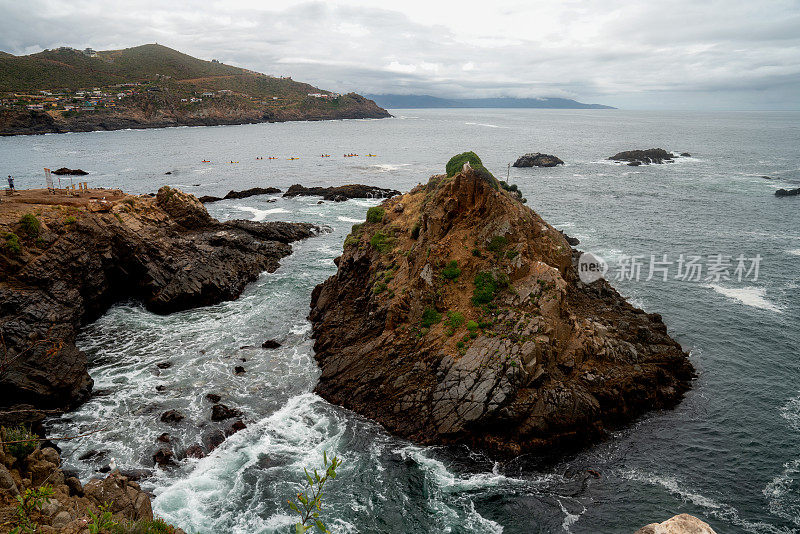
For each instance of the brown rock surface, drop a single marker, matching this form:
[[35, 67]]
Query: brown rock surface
[[166, 251], [679, 524], [547, 361]]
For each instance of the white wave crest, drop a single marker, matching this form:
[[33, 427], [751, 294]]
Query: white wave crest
[[749, 296], [260, 215]]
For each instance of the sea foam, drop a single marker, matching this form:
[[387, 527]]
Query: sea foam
[[749, 296]]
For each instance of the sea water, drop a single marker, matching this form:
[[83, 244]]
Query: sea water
[[729, 453]]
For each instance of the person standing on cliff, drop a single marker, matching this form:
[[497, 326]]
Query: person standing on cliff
[[11, 182]]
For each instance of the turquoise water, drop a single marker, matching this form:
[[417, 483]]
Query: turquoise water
[[728, 454]]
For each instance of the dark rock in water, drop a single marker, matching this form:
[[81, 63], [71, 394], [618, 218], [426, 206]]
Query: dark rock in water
[[685, 155], [320, 202], [213, 439], [652, 155], [556, 363], [537, 160], [220, 412], [161, 387], [205, 199], [195, 451], [787, 192], [238, 370], [342, 192], [164, 365], [242, 194], [164, 438], [168, 172], [573, 241], [168, 252], [74, 172], [213, 397], [635, 163], [270, 344], [164, 457], [235, 427], [172, 417], [94, 455], [135, 475]]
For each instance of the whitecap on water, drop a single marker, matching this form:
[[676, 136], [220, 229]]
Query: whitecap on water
[[795, 252], [749, 296], [350, 220], [260, 215]]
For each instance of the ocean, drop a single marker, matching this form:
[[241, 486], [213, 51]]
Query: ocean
[[729, 453]]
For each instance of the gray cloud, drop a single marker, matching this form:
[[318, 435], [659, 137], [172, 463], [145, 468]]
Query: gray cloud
[[678, 54]]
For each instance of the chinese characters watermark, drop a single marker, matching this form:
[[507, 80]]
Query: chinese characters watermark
[[712, 268]]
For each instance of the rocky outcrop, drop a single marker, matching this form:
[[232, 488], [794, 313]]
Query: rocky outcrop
[[461, 319], [679, 524], [67, 511], [73, 172], [166, 251], [644, 157], [787, 192], [341, 192], [537, 160], [241, 194]]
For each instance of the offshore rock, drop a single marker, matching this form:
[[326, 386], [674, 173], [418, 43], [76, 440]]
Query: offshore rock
[[166, 251], [787, 192], [644, 157], [462, 319], [537, 160], [241, 194], [679, 524], [342, 192]]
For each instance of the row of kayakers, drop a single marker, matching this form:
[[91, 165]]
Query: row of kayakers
[[295, 157]]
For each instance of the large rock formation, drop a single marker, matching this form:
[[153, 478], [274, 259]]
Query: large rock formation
[[341, 192], [639, 157], [87, 252], [679, 524], [787, 192], [537, 160], [457, 316], [253, 191]]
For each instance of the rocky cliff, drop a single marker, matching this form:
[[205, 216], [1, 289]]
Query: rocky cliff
[[165, 113], [457, 316], [64, 259]]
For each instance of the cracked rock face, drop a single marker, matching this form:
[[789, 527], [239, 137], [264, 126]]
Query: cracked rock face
[[479, 331], [166, 251]]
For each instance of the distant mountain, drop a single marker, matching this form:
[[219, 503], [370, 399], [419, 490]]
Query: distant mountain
[[153, 86], [426, 101]]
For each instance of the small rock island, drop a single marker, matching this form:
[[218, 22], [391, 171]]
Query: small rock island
[[457, 316], [537, 160]]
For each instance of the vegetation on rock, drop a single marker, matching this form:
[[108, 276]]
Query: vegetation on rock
[[375, 214]]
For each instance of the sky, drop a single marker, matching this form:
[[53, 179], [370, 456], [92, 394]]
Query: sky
[[681, 54]]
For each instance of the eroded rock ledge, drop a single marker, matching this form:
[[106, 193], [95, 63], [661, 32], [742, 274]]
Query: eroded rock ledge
[[91, 251], [341, 192], [460, 318]]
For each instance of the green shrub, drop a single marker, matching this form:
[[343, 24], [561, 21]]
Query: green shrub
[[354, 236], [375, 214], [454, 321], [32, 500], [12, 243], [430, 317], [382, 242], [30, 224], [415, 229], [457, 162], [380, 287], [487, 287], [451, 271], [70, 220], [497, 243], [27, 441], [472, 326], [144, 526], [102, 520]]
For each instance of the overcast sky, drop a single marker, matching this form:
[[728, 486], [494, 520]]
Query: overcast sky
[[685, 54]]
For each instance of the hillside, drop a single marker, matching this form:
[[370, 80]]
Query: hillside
[[153, 86], [427, 101]]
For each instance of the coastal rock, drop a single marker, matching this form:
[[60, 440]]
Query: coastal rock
[[342, 192], [537, 160], [220, 412], [644, 157], [270, 344], [242, 194], [166, 251], [503, 347], [679, 524], [787, 192], [73, 172], [172, 417]]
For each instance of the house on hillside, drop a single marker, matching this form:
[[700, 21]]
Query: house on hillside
[[89, 52]]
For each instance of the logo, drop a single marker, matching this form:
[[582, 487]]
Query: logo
[[591, 267]]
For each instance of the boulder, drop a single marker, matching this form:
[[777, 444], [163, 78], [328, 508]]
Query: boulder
[[679, 524], [164, 457], [220, 412], [342, 192], [213, 397], [537, 160], [172, 417], [126, 499], [74, 172], [270, 344], [787, 192]]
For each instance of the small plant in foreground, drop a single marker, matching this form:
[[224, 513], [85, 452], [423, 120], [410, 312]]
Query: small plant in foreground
[[12, 243], [430, 317], [382, 242], [308, 503], [454, 321], [19, 441], [451, 271], [101, 520], [28, 504]]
